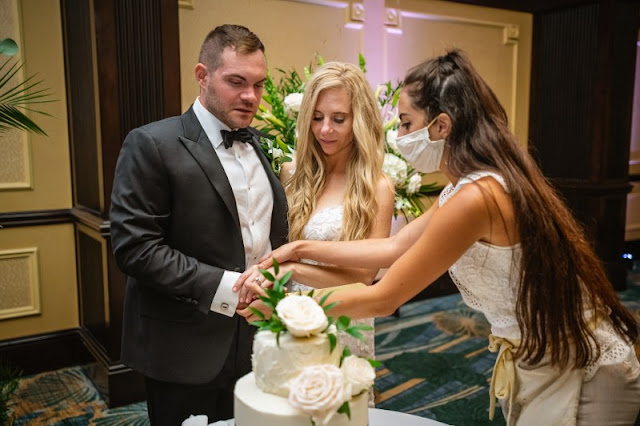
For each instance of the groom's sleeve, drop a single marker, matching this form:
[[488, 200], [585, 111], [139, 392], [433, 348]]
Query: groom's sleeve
[[225, 300]]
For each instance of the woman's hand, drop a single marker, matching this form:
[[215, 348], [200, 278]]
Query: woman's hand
[[282, 254], [246, 282]]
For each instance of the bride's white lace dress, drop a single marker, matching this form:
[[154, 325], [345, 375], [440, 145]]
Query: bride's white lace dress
[[325, 225]]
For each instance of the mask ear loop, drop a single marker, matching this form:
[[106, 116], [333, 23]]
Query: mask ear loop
[[429, 125], [432, 121]]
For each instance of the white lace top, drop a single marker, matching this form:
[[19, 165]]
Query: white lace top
[[325, 225], [487, 277]]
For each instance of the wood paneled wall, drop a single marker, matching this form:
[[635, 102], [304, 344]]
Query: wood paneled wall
[[582, 89], [122, 65]]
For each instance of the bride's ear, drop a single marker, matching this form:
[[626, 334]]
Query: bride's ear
[[443, 126]]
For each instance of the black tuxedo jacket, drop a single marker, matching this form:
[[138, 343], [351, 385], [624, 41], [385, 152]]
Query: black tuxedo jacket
[[175, 230]]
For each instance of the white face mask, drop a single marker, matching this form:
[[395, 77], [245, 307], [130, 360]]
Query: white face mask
[[420, 151]]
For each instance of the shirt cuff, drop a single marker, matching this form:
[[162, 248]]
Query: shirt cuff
[[225, 300]]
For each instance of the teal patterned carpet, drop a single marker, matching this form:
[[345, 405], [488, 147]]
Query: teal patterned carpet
[[435, 364]]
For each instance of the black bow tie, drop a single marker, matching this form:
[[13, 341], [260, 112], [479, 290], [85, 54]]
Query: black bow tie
[[241, 135]]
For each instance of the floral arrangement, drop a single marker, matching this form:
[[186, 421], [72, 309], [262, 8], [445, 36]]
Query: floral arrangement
[[325, 389], [284, 98]]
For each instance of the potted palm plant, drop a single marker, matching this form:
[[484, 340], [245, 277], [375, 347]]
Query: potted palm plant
[[18, 97], [9, 381]]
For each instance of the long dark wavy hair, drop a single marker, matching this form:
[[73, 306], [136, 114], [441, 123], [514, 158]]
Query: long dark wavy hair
[[560, 276]]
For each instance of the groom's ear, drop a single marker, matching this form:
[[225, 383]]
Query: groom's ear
[[201, 73]]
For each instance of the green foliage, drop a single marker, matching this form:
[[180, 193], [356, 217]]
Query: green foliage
[[9, 381], [17, 98], [274, 295], [279, 121], [345, 409]]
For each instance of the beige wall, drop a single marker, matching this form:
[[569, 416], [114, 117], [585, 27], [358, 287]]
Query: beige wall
[[37, 280], [393, 35], [37, 263]]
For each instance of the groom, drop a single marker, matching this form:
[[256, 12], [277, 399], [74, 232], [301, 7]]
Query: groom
[[194, 204]]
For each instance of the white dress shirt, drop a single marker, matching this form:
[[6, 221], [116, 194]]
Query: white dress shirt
[[254, 200]]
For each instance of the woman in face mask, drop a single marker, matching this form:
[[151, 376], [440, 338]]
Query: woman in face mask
[[564, 341]]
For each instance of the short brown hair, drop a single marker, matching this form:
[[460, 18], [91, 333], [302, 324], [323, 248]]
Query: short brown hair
[[240, 38]]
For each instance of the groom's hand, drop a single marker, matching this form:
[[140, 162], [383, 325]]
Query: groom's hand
[[250, 316]]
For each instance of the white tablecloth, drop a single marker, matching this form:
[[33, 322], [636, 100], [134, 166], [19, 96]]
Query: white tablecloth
[[377, 417]]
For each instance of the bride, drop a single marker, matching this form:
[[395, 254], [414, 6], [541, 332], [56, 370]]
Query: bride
[[564, 340], [335, 187]]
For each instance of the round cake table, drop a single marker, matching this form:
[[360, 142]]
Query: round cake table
[[377, 417]]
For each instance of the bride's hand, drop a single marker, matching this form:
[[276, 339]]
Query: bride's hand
[[282, 254]]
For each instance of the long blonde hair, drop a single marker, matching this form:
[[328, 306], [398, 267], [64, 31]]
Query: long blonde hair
[[364, 166]]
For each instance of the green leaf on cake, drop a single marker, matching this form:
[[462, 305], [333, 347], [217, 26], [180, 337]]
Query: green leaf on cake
[[268, 303], [323, 299], [285, 279], [345, 353], [329, 306], [333, 341], [344, 409], [257, 313], [268, 275], [260, 324], [374, 363], [277, 327], [354, 333], [355, 330], [343, 323], [361, 327]]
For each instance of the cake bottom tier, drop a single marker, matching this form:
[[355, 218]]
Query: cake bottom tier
[[254, 407]]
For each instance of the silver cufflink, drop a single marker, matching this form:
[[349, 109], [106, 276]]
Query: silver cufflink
[[225, 306]]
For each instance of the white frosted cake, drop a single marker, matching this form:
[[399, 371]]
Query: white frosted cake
[[300, 379]]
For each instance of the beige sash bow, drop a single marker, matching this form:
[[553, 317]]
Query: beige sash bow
[[503, 379]]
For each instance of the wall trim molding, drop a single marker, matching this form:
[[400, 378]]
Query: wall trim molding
[[35, 218], [63, 348], [585, 186]]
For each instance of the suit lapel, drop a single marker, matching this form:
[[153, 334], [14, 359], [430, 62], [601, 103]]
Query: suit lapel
[[198, 144]]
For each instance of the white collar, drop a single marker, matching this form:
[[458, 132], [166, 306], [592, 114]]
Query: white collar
[[209, 123]]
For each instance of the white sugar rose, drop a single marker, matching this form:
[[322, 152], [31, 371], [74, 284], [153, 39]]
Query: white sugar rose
[[415, 181], [319, 390], [301, 315], [292, 102], [395, 168], [359, 373]]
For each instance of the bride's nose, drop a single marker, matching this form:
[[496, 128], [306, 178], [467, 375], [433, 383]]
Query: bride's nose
[[326, 127]]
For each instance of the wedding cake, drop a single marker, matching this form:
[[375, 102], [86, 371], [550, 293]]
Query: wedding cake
[[301, 375]]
